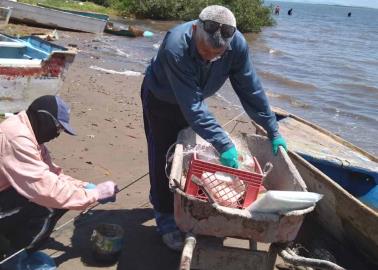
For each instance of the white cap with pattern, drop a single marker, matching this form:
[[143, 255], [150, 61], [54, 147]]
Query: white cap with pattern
[[218, 14]]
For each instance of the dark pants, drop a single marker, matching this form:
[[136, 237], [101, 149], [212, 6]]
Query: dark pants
[[162, 123], [24, 223]]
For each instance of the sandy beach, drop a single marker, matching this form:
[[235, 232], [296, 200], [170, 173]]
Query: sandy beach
[[107, 115]]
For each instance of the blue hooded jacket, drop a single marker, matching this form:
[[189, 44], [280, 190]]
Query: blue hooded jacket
[[178, 75]]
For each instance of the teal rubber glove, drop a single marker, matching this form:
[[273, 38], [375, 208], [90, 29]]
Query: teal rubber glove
[[90, 186], [230, 158], [276, 142]]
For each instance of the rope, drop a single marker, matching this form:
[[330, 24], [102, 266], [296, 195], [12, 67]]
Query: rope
[[233, 119], [291, 257], [97, 204], [77, 217]]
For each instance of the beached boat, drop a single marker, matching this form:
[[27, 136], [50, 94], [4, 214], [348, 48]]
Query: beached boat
[[52, 18], [130, 32], [344, 173], [30, 67], [95, 15], [4, 16]]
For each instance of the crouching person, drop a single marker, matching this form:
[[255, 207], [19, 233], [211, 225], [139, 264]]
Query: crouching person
[[34, 192]]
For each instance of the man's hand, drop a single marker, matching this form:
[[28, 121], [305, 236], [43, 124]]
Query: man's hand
[[276, 142], [230, 158], [107, 192]]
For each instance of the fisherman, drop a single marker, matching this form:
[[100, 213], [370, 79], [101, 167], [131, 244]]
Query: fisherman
[[277, 10], [193, 62], [34, 192]]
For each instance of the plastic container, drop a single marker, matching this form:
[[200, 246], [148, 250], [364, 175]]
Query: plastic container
[[107, 243], [213, 177], [35, 261], [148, 34], [277, 201]]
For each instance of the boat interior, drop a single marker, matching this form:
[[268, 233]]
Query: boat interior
[[27, 48], [352, 170]]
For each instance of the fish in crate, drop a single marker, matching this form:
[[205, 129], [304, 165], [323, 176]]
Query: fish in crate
[[209, 180]]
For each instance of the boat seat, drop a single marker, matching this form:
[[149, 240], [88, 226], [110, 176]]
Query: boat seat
[[10, 44]]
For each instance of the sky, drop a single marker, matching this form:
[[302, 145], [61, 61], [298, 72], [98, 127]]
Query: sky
[[359, 3]]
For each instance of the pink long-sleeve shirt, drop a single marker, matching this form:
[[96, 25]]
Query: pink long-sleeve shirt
[[26, 166]]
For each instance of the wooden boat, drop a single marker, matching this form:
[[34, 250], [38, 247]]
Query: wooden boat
[[129, 32], [4, 16], [95, 15], [30, 67], [344, 173], [36, 15]]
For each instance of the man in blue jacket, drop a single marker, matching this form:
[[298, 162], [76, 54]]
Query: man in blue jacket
[[193, 62]]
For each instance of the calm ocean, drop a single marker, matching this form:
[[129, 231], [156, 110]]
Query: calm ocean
[[323, 66], [318, 63]]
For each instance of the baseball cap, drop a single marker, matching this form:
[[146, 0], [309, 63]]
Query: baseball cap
[[63, 115]]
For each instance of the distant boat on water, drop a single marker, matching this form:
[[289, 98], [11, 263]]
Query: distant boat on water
[[53, 18], [30, 67]]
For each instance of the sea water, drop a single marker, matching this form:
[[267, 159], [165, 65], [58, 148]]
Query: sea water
[[318, 63]]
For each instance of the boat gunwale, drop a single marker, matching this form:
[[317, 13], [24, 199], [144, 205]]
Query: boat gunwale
[[323, 130]]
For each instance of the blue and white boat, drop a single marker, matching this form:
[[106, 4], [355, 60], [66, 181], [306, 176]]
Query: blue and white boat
[[30, 67]]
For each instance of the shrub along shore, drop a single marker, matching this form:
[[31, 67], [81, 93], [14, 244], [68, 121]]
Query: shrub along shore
[[251, 15]]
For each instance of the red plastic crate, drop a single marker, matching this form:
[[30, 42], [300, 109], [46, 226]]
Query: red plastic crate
[[251, 181]]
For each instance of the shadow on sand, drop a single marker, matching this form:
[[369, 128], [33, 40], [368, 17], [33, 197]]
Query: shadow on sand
[[143, 247]]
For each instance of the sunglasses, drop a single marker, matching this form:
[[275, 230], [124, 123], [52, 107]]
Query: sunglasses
[[211, 27], [59, 127]]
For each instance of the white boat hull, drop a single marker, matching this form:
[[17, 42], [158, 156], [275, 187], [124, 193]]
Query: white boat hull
[[16, 95], [20, 83], [53, 18]]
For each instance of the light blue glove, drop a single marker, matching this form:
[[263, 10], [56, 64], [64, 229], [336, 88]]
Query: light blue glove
[[90, 186], [230, 158], [276, 142]]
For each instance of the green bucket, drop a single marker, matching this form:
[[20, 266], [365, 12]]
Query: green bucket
[[107, 242]]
